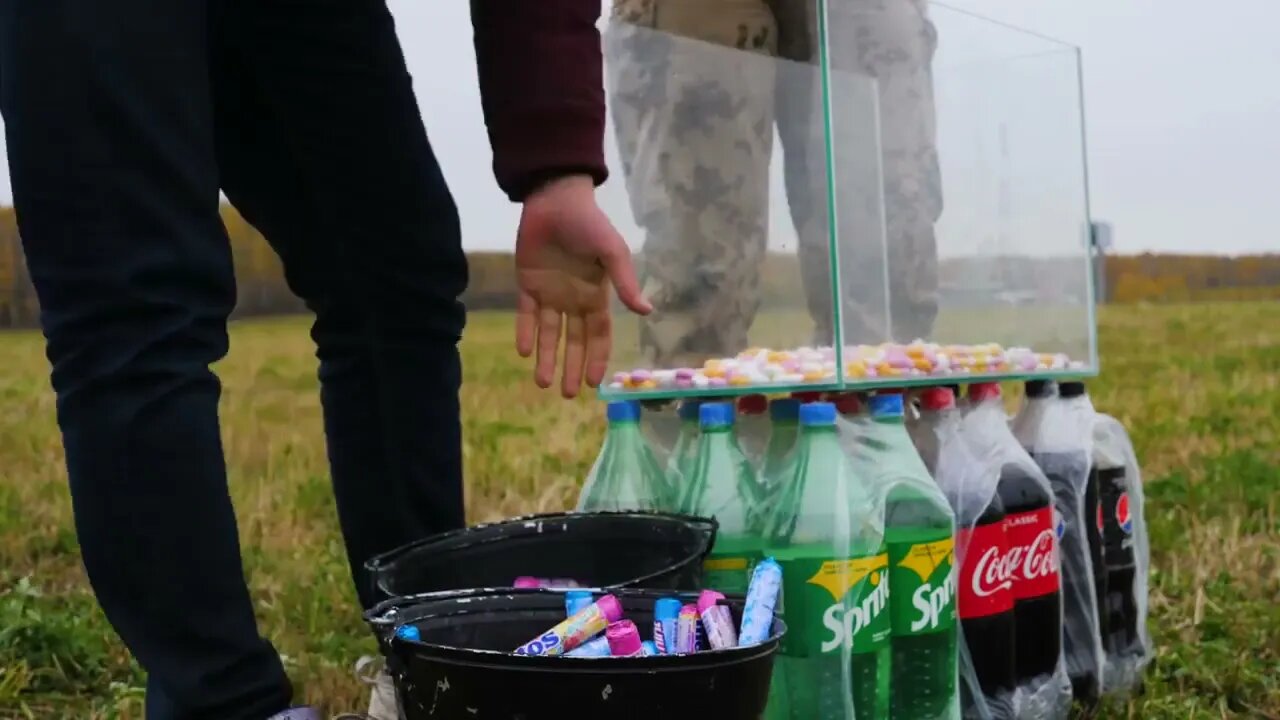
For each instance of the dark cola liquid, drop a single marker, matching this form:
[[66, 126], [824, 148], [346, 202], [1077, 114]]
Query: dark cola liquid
[[986, 602], [1037, 587], [1080, 551], [1119, 606]]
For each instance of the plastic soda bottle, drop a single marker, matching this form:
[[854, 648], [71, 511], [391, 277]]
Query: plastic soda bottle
[[834, 662], [779, 454], [919, 527], [753, 427], [684, 453], [626, 476], [724, 486]]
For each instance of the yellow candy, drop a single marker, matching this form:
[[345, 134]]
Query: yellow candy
[[739, 380], [893, 372], [713, 372], [915, 350], [812, 376], [923, 364], [778, 357], [980, 358], [884, 368], [648, 385], [857, 367]]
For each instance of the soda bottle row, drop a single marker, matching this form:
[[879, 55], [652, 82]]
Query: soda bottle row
[[919, 584]]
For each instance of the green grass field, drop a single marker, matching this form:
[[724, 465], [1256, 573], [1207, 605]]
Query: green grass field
[[1198, 386]]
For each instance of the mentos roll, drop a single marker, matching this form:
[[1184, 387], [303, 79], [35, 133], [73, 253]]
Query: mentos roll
[[687, 630], [762, 598], [665, 614], [716, 620], [575, 630], [624, 639], [575, 601]]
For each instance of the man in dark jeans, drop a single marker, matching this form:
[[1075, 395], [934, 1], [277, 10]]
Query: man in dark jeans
[[124, 120]]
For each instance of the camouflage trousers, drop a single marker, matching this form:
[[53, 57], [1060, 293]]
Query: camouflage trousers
[[696, 89]]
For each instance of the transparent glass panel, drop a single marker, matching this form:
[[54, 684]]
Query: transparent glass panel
[[986, 248], [722, 186]]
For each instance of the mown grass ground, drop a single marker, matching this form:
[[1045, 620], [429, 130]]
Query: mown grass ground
[[1199, 387]]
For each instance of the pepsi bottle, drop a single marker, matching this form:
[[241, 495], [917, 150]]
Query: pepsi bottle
[[1118, 608]]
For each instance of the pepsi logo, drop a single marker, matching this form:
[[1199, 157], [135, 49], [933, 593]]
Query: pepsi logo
[[1123, 516]]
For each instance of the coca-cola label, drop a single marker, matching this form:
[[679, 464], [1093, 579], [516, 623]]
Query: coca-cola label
[[986, 579], [1033, 553]]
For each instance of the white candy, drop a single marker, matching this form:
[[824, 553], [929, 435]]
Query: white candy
[[700, 381]]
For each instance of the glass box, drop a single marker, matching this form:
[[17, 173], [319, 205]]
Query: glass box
[[842, 195]]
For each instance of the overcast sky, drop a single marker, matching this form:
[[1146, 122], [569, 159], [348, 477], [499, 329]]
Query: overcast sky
[[1182, 111]]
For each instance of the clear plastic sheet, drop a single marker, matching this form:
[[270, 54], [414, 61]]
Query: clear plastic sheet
[[1057, 430], [1008, 483], [919, 538], [1128, 646], [660, 423]]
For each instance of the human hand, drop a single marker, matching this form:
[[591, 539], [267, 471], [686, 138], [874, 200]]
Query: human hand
[[567, 255]]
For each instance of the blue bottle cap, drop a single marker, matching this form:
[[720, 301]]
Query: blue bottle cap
[[689, 409], [818, 413], [624, 411], [785, 409], [667, 608], [575, 600], [408, 632], [886, 406], [716, 414]]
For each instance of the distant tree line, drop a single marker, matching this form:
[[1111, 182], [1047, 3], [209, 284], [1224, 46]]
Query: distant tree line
[[1130, 278]]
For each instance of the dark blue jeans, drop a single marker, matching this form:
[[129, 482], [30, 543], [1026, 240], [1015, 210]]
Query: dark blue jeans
[[124, 121]]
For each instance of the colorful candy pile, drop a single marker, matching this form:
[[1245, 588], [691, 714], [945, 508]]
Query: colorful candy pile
[[761, 366], [595, 627]]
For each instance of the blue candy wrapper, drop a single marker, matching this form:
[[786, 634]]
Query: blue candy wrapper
[[665, 614], [762, 598], [575, 600], [408, 632], [598, 647]]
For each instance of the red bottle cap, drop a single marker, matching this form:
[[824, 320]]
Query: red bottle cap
[[753, 405], [937, 398], [979, 392]]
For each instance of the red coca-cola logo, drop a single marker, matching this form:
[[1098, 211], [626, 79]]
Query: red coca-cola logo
[[986, 576], [1033, 553]]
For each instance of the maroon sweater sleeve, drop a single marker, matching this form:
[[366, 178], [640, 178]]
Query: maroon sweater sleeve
[[541, 85]]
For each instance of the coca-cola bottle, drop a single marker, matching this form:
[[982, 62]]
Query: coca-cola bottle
[[984, 583], [1032, 561]]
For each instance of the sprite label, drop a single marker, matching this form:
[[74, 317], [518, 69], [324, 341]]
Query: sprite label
[[832, 604], [728, 568], [924, 587]]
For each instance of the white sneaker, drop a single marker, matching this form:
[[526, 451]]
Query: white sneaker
[[383, 703]]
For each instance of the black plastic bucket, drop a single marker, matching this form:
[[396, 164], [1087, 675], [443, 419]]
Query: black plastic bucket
[[463, 667], [605, 549]]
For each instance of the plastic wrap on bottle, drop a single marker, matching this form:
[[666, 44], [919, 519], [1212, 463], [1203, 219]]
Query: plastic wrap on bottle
[[1057, 430], [626, 475], [824, 532], [919, 532], [1127, 556], [660, 423], [1008, 532], [753, 428], [987, 672]]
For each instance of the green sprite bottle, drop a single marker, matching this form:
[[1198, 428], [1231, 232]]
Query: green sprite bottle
[[834, 662], [919, 527], [626, 476], [779, 464], [684, 452], [724, 486]]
